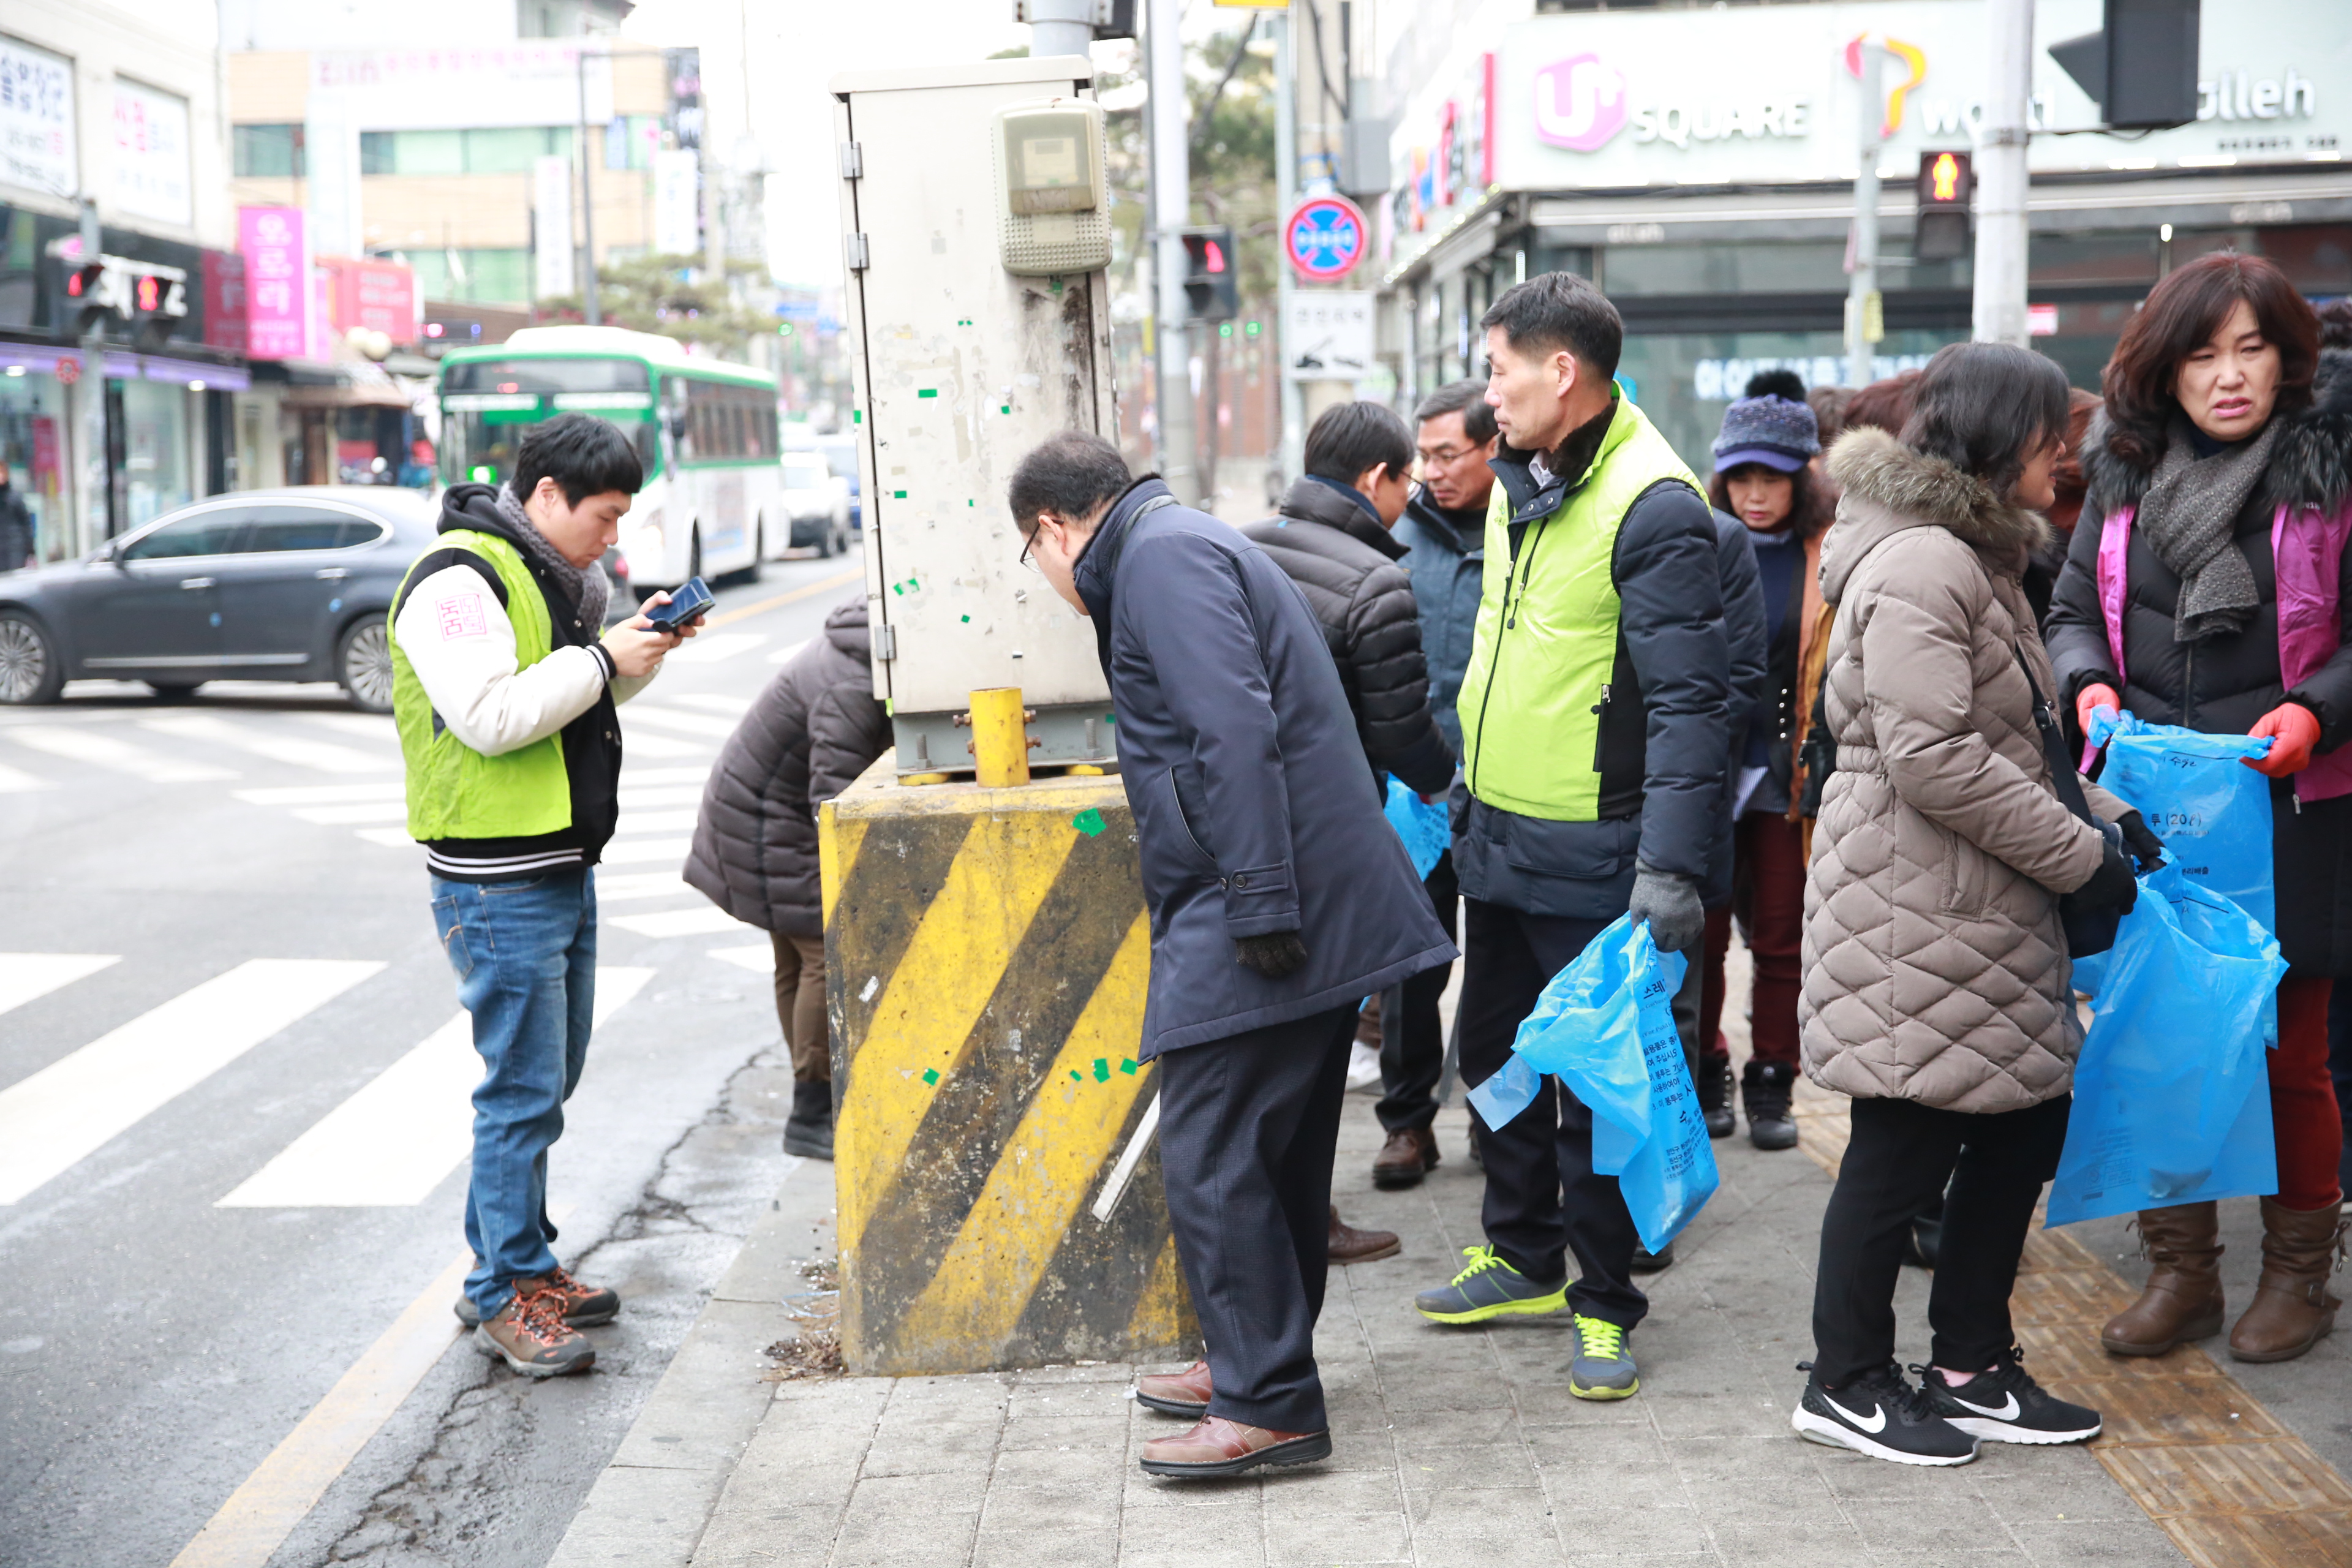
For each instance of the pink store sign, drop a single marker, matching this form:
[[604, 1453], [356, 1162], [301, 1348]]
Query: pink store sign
[[281, 306]]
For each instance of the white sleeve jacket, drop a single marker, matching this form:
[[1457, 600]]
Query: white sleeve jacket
[[459, 640]]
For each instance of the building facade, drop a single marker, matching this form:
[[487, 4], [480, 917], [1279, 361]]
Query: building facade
[[1698, 164]]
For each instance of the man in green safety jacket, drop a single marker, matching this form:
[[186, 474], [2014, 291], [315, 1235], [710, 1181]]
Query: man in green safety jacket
[[504, 694], [1595, 727]]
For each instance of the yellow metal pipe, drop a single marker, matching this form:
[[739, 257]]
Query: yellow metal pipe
[[1000, 737]]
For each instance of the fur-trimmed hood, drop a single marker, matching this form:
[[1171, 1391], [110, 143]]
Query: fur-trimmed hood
[[2311, 464], [1888, 487]]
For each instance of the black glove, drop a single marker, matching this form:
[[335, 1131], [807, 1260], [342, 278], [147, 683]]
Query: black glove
[[2146, 848], [2112, 885], [1275, 955]]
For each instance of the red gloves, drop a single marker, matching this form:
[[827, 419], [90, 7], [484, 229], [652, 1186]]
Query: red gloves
[[2293, 731], [2094, 695]]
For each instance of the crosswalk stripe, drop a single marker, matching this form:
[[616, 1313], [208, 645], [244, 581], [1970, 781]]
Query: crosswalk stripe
[[655, 821], [72, 1108], [356, 811], [366, 726], [670, 719], [641, 744], [712, 702], [633, 776], [678, 922], [13, 782], [784, 654], [758, 958], [87, 745], [647, 851], [320, 755], [392, 1142], [390, 837], [639, 885], [26, 975], [324, 794], [666, 794], [711, 647]]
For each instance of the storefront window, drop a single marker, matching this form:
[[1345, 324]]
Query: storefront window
[[154, 445], [32, 426], [1726, 268]]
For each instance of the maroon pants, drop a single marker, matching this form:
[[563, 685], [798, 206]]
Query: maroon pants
[[2304, 1120], [1767, 896]]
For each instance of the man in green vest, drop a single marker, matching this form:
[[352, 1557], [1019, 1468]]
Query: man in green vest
[[504, 685], [1595, 724]]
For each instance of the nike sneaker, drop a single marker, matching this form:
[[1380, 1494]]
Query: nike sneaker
[[2006, 1405], [1880, 1414]]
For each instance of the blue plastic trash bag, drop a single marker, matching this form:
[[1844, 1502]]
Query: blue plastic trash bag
[[1605, 1027], [1422, 827], [2212, 811], [2172, 1099]]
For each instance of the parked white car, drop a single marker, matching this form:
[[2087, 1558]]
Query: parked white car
[[817, 500]]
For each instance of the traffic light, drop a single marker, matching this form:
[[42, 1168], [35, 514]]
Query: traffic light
[[2140, 67], [86, 293], [1211, 286], [1946, 183]]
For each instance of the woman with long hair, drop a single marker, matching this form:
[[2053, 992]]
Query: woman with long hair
[[1764, 477], [1937, 990], [2208, 586]]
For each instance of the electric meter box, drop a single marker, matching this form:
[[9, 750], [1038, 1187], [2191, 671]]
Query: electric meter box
[[1051, 188], [961, 363]]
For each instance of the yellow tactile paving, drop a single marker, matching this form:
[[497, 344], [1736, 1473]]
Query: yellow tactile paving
[[2230, 1484]]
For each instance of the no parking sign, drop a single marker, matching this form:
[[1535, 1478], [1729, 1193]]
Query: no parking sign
[[1325, 237]]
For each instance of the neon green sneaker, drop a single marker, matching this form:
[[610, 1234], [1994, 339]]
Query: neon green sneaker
[[1489, 1288], [1603, 1368]]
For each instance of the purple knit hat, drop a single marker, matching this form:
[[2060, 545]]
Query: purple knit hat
[[1769, 430]]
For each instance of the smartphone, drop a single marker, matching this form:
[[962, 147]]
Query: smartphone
[[686, 605]]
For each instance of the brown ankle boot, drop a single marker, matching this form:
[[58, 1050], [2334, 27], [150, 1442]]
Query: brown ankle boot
[[2292, 1310], [2183, 1298]]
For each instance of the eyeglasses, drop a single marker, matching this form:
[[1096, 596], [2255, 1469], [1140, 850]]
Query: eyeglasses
[[1031, 544], [1446, 455]]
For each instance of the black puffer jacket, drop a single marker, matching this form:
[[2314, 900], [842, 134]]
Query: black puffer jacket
[[812, 732], [2223, 684], [1346, 564]]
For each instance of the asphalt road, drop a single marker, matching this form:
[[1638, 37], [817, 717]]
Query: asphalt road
[[232, 1127]]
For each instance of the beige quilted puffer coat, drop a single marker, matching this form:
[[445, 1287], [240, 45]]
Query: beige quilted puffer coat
[[1935, 967]]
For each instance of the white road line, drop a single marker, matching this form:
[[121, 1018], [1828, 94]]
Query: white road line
[[85, 745], [12, 782], [711, 647], [666, 794], [670, 719], [357, 811], [647, 851], [784, 654], [390, 837], [679, 923], [640, 744], [25, 975], [72, 1108], [366, 726], [655, 822], [320, 755], [392, 1142], [713, 703], [639, 885], [758, 958], [324, 794], [632, 776]]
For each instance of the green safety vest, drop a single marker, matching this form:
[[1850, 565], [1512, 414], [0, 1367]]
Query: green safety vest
[[454, 791], [1547, 635]]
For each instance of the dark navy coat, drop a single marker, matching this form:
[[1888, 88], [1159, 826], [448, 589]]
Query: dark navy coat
[[1254, 810]]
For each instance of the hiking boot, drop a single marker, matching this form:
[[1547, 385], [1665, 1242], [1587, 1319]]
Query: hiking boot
[[1765, 1088], [1348, 1245], [1602, 1368], [2006, 1405], [1880, 1414], [1221, 1447], [1488, 1287], [1713, 1086], [2183, 1298], [584, 1306], [1182, 1393], [528, 1333], [1648, 1262], [1409, 1153], [808, 1131], [2291, 1311]]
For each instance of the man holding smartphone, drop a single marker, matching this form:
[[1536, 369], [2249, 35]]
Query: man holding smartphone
[[505, 695]]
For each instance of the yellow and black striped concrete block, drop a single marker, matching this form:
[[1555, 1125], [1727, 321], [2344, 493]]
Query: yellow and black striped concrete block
[[986, 956]]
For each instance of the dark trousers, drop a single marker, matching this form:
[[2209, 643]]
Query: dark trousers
[[1901, 1155], [1413, 1035], [1768, 900], [1543, 1197], [1247, 1128]]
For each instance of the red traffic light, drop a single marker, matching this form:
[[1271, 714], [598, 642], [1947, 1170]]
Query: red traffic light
[[1945, 179]]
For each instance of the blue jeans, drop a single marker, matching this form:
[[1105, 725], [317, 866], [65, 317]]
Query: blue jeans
[[525, 956]]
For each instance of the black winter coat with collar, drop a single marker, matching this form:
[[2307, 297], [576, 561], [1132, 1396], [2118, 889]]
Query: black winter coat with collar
[[2223, 684], [1347, 565]]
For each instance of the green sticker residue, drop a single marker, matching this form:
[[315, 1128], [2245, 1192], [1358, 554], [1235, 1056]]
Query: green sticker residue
[[1102, 1070], [927, 392], [1089, 822], [897, 495], [930, 1075], [1073, 1076], [909, 586], [1005, 408], [1128, 1067], [967, 620]]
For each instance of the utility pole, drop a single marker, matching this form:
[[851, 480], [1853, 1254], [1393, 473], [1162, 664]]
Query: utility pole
[[1172, 204], [1061, 26], [1863, 301], [1999, 303], [590, 307], [1291, 454]]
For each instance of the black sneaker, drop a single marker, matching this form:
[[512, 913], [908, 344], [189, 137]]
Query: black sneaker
[[1713, 1086], [1766, 1087], [2006, 1405], [1880, 1414], [1648, 1262]]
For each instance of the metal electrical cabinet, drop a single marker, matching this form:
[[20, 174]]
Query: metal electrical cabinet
[[959, 367]]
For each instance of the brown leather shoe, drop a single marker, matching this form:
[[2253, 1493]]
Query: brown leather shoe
[[1221, 1447], [2292, 1310], [528, 1333], [1409, 1153], [1185, 1393], [1348, 1245], [2183, 1298]]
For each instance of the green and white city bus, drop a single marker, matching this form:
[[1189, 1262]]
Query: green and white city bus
[[713, 501]]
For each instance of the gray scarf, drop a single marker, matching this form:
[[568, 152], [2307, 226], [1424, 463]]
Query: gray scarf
[[2189, 515], [583, 588]]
